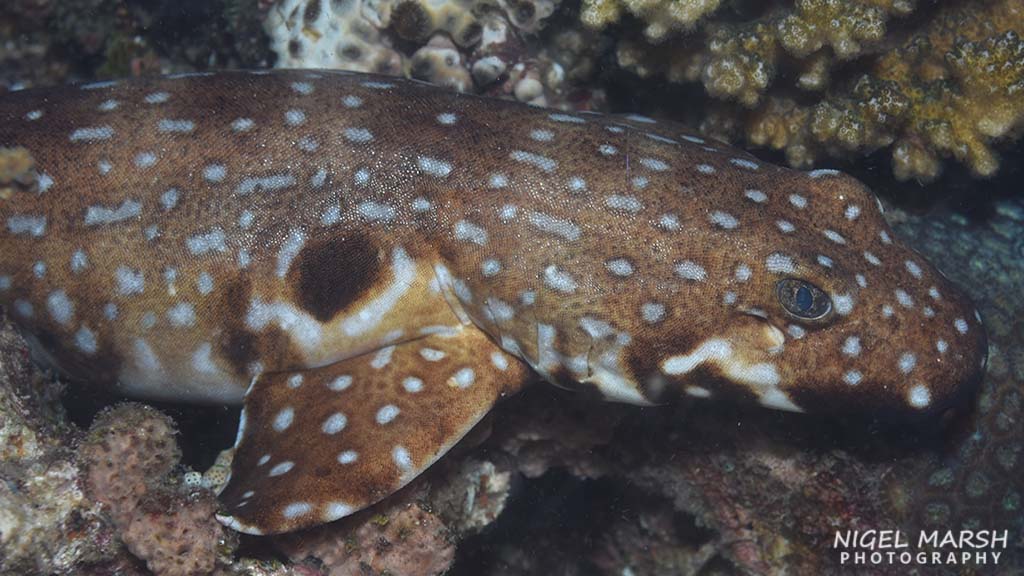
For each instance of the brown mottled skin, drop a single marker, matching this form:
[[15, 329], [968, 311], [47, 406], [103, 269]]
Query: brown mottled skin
[[187, 237]]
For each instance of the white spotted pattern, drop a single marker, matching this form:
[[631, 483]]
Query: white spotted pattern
[[387, 414], [334, 423], [559, 280], [283, 419], [690, 270]]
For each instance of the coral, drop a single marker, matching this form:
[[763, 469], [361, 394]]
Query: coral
[[128, 456], [474, 495], [844, 26], [16, 171], [661, 17], [46, 525], [927, 108], [68, 500], [980, 480], [175, 535], [46, 522], [417, 21], [128, 451], [467, 45], [398, 539], [439, 62], [345, 35], [945, 84]]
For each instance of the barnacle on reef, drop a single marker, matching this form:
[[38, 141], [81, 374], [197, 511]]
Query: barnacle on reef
[[827, 78]]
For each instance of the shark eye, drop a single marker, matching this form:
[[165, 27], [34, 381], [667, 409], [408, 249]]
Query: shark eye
[[803, 299]]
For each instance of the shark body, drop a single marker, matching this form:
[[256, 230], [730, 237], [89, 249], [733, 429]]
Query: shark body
[[370, 263]]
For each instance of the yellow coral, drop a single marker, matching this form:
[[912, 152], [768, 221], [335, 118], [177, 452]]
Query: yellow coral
[[661, 17], [942, 86], [741, 62], [16, 170], [843, 25]]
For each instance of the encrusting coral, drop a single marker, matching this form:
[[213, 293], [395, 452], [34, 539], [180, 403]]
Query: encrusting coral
[[128, 450], [128, 456], [404, 539]]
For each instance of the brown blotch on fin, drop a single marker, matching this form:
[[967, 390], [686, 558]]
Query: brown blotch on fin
[[242, 347], [331, 274], [320, 444], [238, 344]]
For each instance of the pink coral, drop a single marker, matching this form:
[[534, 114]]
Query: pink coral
[[127, 456], [128, 450], [175, 534], [402, 539]]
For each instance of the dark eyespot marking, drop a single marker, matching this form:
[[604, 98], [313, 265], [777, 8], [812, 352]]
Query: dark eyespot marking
[[803, 299], [334, 273]]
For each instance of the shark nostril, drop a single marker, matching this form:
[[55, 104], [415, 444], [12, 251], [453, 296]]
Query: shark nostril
[[769, 337], [777, 339]]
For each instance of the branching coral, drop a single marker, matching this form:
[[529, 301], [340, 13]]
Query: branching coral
[[844, 26], [661, 17], [947, 93], [738, 58], [827, 78]]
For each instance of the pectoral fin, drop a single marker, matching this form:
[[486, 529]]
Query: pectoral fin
[[316, 445]]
